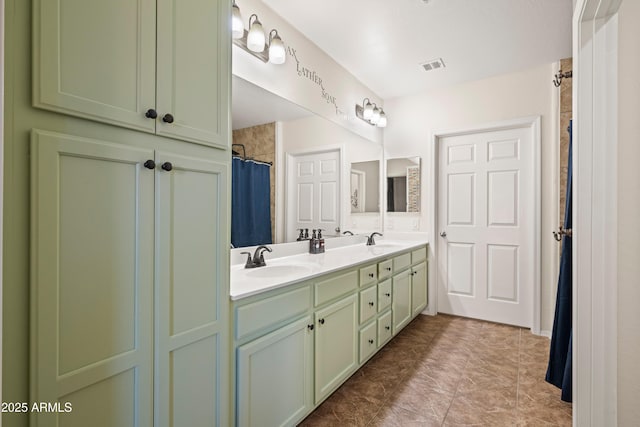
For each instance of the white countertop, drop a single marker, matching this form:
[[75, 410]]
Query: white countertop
[[294, 268]]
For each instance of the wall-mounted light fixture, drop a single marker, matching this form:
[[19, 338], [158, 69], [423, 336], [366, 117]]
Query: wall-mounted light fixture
[[254, 40], [371, 113]]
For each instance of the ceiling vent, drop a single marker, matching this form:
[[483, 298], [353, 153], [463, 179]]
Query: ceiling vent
[[434, 64]]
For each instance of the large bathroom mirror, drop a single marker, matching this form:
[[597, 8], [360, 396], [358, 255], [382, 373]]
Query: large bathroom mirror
[[365, 187], [403, 185], [268, 132]]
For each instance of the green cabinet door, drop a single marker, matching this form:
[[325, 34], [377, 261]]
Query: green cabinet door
[[419, 288], [336, 345], [401, 301], [92, 281], [194, 70], [275, 377], [96, 59], [192, 292]]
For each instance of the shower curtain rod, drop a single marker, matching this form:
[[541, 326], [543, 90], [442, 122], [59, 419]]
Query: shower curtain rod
[[237, 155]]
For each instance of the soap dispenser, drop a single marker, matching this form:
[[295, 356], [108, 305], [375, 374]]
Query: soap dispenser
[[320, 242], [301, 236], [312, 243]]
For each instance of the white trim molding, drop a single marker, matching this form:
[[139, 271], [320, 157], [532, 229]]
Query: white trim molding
[[532, 123], [595, 65]]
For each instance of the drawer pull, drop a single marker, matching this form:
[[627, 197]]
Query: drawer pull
[[310, 327], [387, 328], [388, 268], [387, 294], [370, 341], [371, 303], [371, 275], [321, 321]]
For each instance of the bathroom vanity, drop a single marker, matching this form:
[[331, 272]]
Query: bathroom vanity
[[305, 323]]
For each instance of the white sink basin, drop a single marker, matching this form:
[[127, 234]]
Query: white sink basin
[[386, 245], [271, 271]]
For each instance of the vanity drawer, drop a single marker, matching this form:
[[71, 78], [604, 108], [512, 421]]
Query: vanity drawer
[[368, 274], [263, 314], [384, 328], [368, 303], [401, 262], [384, 295], [385, 269], [418, 255], [336, 286], [368, 342]]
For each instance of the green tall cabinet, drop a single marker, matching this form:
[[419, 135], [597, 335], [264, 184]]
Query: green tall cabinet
[[117, 152]]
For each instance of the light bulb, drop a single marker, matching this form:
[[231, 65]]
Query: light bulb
[[255, 39], [367, 112], [277, 53], [237, 26], [376, 116], [382, 121]]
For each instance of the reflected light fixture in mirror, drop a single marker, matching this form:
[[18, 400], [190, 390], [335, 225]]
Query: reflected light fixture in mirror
[[371, 113]]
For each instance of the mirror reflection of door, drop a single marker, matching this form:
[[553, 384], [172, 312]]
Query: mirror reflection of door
[[358, 190], [313, 193]]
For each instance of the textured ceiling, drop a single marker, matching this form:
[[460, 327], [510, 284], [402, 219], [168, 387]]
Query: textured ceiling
[[383, 42]]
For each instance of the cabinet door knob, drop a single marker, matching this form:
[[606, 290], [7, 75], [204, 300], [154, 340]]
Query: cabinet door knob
[[387, 327], [167, 166], [387, 294], [321, 321], [371, 275], [150, 164], [388, 268], [370, 341], [151, 114], [310, 327], [167, 118], [371, 303]]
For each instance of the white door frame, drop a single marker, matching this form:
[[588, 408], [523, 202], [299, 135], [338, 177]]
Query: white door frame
[[533, 123], [344, 186], [595, 230]]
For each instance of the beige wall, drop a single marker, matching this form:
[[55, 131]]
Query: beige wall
[[628, 215], [527, 93], [566, 114], [260, 144]]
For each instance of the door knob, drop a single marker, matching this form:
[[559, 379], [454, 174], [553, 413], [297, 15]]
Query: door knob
[[167, 166], [167, 118], [443, 234], [151, 114], [337, 229], [150, 164]]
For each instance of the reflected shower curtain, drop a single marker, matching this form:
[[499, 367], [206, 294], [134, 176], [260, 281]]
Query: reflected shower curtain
[[560, 355], [250, 203]]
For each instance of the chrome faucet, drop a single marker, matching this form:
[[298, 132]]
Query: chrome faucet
[[347, 232], [258, 257], [370, 240]]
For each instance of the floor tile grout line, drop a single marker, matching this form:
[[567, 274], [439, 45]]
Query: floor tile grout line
[[455, 393]]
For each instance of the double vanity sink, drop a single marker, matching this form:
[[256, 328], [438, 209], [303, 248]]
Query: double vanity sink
[[284, 268]]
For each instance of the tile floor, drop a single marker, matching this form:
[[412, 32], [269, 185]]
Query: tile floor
[[450, 371]]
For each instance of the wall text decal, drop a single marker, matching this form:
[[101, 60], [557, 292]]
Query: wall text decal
[[311, 75]]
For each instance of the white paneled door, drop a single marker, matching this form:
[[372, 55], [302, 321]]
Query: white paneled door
[[313, 193], [486, 223]]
